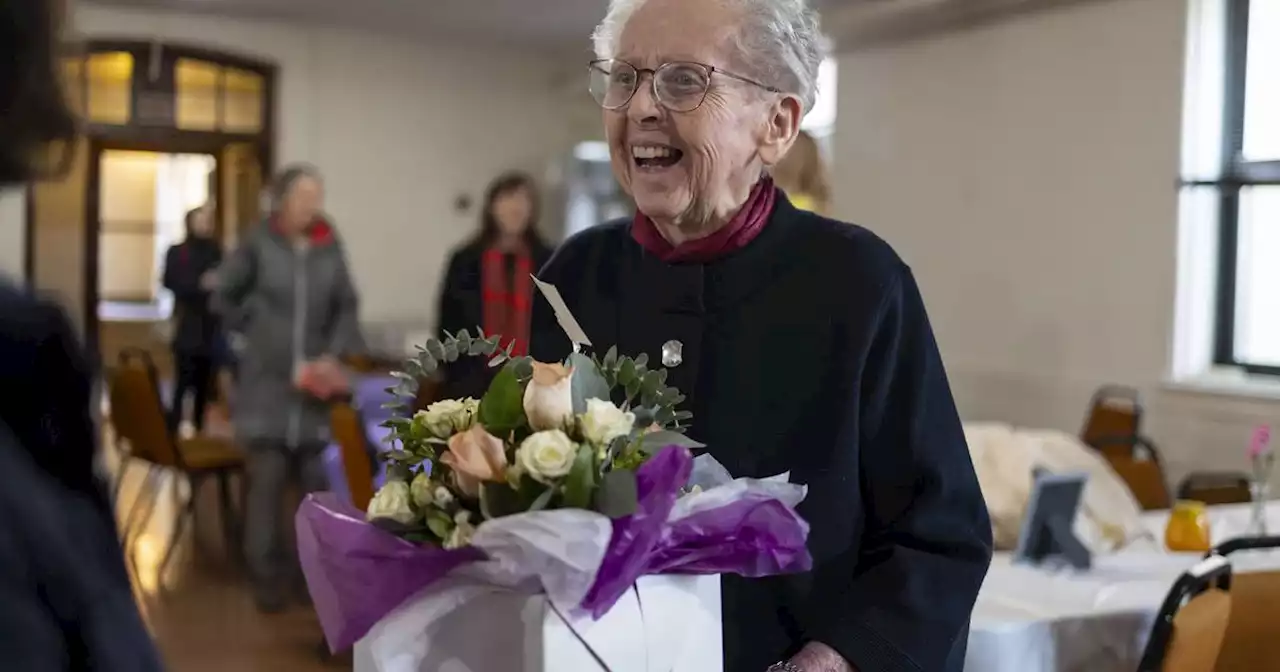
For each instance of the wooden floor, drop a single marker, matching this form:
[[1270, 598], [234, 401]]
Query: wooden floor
[[200, 612]]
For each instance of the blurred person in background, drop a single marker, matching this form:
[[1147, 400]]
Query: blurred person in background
[[65, 598], [487, 283], [189, 272], [288, 292], [802, 176]]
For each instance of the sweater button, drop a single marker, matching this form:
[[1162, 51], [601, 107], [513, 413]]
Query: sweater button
[[672, 353]]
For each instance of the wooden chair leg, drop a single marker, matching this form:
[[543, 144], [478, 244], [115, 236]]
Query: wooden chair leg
[[186, 510], [146, 493]]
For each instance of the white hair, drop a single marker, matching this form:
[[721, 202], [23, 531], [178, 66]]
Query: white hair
[[778, 42]]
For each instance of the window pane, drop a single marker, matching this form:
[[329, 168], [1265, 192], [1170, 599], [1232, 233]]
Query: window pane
[[242, 102], [1262, 83], [110, 77], [196, 97], [1257, 333]]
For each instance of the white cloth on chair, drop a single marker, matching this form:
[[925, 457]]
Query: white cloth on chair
[[1004, 457]]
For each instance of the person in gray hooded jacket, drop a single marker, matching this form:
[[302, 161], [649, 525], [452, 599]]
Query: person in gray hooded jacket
[[288, 292]]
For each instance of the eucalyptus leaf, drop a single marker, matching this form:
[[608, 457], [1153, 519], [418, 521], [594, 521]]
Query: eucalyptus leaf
[[543, 500], [683, 415], [451, 350], [611, 358], [642, 360], [498, 360], [435, 349], [523, 368], [502, 407], [498, 500], [626, 371], [655, 441], [478, 347], [617, 497], [428, 362], [581, 481], [587, 382]]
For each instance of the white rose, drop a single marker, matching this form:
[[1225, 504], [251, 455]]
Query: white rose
[[603, 422], [548, 455], [392, 501], [421, 490], [447, 417], [548, 398], [462, 531]]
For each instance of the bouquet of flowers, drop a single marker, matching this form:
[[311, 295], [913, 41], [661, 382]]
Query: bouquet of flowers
[[570, 481], [544, 436]]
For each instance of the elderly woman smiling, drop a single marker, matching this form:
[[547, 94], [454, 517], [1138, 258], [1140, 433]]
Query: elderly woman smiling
[[801, 342]]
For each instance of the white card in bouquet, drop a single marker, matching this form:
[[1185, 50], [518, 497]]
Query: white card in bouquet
[[563, 315], [663, 624]]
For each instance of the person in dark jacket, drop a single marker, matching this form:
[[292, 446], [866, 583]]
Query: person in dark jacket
[[288, 291], [65, 598], [487, 282], [190, 273], [801, 342]]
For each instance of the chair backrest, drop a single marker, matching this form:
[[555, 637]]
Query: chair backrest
[[1192, 621], [137, 414], [347, 426], [1252, 642], [1139, 465], [1214, 488], [1115, 413]]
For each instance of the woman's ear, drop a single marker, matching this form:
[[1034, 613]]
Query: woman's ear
[[780, 129]]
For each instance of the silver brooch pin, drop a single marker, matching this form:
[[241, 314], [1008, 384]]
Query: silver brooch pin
[[672, 353]]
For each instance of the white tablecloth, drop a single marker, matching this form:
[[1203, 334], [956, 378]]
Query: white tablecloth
[[1031, 619]]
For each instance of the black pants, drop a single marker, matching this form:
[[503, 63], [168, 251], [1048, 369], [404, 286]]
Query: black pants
[[270, 545], [195, 375]]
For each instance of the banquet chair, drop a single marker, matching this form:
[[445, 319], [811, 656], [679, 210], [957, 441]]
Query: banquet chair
[[1252, 641], [1192, 622], [138, 417], [1136, 461], [347, 426], [1114, 419]]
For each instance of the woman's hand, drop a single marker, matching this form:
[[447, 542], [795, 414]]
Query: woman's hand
[[323, 378], [818, 657]]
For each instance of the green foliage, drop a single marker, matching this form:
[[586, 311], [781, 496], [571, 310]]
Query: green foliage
[[645, 390], [581, 482], [617, 496], [654, 441], [502, 407], [587, 383]]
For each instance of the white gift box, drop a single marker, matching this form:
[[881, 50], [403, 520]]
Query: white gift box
[[663, 624]]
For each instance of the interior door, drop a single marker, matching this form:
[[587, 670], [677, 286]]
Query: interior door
[[240, 172]]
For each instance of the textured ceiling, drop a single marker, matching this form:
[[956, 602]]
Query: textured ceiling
[[549, 24]]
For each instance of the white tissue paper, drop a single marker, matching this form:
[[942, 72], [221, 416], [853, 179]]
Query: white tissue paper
[[517, 611]]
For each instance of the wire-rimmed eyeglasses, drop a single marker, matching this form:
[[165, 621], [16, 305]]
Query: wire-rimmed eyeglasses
[[679, 86]]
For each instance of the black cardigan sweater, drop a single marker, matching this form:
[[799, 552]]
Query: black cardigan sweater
[[809, 351]]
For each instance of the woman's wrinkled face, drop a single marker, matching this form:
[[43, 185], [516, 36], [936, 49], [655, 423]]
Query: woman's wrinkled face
[[714, 148], [512, 211], [303, 203]]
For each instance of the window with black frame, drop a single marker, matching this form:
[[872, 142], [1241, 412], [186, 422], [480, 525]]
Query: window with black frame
[[1247, 325]]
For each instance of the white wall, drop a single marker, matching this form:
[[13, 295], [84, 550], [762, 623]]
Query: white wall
[[12, 234], [1027, 171], [400, 128]]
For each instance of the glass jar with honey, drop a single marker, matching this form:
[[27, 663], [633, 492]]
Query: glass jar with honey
[[1188, 528]]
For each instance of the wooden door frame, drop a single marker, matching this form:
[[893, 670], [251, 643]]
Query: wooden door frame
[[166, 140]]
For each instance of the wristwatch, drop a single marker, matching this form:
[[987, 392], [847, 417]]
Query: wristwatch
[[783, 666]]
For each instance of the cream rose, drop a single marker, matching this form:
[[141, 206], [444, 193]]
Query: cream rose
[[392, 501], [547, 455], [447, 417], [603, 422], [548, 398]]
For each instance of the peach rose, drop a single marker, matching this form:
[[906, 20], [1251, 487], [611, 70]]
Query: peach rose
[[548, 398], [476, 455]]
